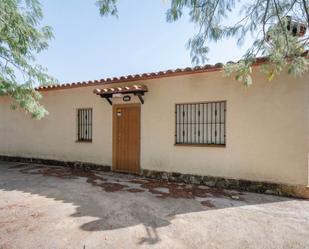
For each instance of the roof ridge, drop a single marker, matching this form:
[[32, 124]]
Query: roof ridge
[[143, 76]]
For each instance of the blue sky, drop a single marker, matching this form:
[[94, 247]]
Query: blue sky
[[88, 46]]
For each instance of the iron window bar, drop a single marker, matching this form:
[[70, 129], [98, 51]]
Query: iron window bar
[[84, 125], [201, 123]]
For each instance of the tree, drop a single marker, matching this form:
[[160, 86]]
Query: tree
[[21, 38], [278, 27]]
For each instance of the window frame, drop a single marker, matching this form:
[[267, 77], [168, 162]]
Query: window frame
[[90, 125], [221, 145]]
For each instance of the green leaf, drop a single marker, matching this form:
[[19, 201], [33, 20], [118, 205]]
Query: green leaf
[[21, 38]]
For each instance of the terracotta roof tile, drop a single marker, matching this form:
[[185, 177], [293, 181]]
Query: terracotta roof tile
[[146, 76], [125, 89]]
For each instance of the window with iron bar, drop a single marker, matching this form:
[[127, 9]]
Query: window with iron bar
[[84, 125], [201, 123]]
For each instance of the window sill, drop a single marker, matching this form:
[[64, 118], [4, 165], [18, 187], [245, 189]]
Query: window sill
[[83, 141], [202, 145]]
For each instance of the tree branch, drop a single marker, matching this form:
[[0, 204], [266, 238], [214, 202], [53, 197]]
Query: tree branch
[[281, 24], [264, 18], [306, 11]]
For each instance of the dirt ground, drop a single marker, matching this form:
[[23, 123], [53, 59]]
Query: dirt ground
[[55, 207]]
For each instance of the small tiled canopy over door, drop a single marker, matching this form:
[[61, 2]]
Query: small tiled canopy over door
[[126, 138]]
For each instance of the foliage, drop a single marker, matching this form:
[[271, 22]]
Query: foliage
[[21, 38], [265, 20], [108, 7]]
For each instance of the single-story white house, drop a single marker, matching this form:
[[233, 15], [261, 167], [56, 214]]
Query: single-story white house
[[192, 125]]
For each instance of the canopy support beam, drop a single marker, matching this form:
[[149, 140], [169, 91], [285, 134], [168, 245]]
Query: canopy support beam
[[140, 96], [108, 98]]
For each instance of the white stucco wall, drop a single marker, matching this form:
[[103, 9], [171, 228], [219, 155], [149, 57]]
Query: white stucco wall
[[267, 128]]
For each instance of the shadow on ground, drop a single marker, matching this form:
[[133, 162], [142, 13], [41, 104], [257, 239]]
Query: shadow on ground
[[119, 200]]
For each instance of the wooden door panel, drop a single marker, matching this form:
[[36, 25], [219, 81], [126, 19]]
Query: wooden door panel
[[126, 138]]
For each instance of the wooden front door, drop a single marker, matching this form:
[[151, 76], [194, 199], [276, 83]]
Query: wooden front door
[[126, 138]]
